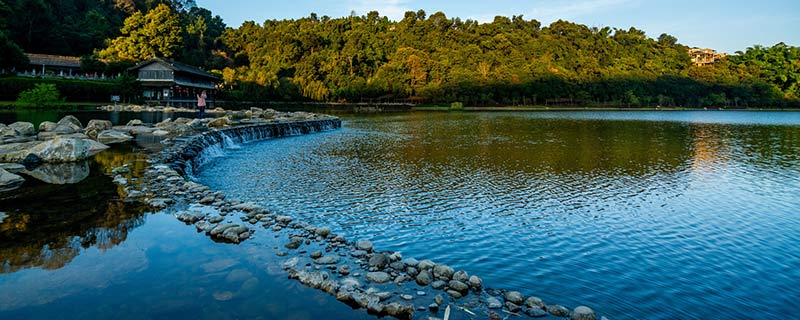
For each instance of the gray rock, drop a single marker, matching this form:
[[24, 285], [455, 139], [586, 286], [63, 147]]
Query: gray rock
[[514, 297], [364, 245], [351, 283], [219, 122], [283, 219], [23, 128], [410, 262], [377, 277], [343, 270], [113, 136], [67, 124], [534, 302], [424, 278], [9, 181], [134, 123], [291, 263], [438, 299], [191, 216], [433, 308], [412, 271], [12, 167], [61, 150], [316, 254], [455, 294], [583, 313], [15, 152], [378, 260], [458, 286], [475, 282], [443, 271], [397, 265], [494, 303], [160, 133], [47, 126], [557, 310], [438, 284], [358, 253], [399, 311], [323, 232], [330, 259], [536, 313], [426, 264], [461, 276], [94, 127], [6, 131], [513, 307], [207, 200]]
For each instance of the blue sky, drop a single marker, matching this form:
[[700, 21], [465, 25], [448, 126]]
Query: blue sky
[[723, 25]]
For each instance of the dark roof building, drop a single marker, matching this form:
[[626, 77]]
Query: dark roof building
[[168, 81], [43, 63]]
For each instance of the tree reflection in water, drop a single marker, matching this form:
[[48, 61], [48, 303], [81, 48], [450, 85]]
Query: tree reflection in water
[[48, 225]]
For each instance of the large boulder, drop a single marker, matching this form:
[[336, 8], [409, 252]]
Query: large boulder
[[6, 131], [61, 150], [113, 136], [94, 127], [9, 181], [15, 152], [68, 124], [23, 128]]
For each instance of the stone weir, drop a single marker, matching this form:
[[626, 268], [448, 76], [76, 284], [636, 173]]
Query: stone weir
[[191, 154], [383, 282]]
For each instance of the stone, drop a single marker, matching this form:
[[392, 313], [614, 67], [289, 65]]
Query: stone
[[6, 131], [9, 181], [557, 310], [23, 128], [426, 264], [15, 152], [424, 278], [94, 127], [454, 294], [399, 311], [291, 263], [438, 284], [461, 276], [494, 303], [134, 123], [61, 150], [207, 200], [377, 277], [358, 253], [47, 126], [160, 133], [12, 167], [410, 262], [583, 313], [433, 308], [316, 254], [343, 270], [223, 295], [323, 232], [443, 271], [378, 260], [406, 297], [458, 286], [330, 259], [350, 283], [438, 299], [475, 282], [219, 122], [514, 297], [534, 302], [191, 216], [397, 265], [67, 124], [283, 219], [536, 313], [513, 307], [364, 245], [113, 136]]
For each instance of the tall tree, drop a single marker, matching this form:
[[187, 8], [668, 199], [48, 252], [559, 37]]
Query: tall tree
[[155, 34]]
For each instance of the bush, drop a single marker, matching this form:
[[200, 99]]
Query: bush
[[72, 90], [42, 95], [457, 106]]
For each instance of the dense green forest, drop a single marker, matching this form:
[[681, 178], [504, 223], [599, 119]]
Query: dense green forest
[[421, 58]]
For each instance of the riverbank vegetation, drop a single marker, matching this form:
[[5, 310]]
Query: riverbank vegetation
[[419, 59]]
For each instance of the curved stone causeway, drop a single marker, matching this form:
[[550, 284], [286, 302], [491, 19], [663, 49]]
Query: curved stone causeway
[[384, 283]]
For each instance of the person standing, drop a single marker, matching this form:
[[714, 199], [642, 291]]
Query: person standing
[[201, 103]]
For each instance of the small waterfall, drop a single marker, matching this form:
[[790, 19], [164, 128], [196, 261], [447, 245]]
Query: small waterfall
[[192, 154]]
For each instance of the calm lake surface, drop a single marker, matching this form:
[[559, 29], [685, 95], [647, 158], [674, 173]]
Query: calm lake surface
[[657, 215]]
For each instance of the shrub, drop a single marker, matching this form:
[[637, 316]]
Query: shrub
[[456, 106], [42, 95]]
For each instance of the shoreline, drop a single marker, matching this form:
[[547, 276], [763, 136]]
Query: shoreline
[[384, 283]]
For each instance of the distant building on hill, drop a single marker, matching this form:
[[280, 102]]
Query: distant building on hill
[[706, 56], [173, 83]]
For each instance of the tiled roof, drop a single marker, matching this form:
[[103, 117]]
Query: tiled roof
[[177, 66], [53, 60]]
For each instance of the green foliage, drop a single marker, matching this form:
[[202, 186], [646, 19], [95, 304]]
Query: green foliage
[[42, 95], [90, 64], [72, 90], [456, 106], [144, 36], [437, 59], [10, 54]]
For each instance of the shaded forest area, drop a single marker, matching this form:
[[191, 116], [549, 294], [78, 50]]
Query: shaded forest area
[[421, 58]]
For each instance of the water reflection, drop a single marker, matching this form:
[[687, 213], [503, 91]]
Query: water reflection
[[73, 207], [639, 214]]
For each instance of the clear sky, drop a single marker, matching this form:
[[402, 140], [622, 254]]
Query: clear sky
[[724, 25]]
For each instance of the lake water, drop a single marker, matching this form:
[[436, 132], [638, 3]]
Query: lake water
[[657, 215]]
